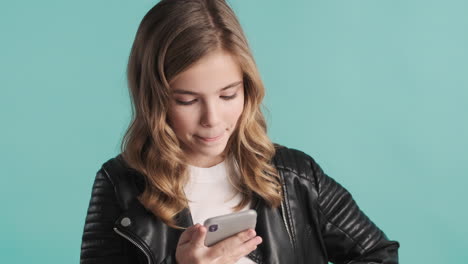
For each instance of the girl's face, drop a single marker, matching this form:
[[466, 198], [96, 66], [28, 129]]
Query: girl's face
[[206, 101]]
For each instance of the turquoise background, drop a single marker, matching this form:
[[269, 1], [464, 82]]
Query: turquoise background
[[376, 91]]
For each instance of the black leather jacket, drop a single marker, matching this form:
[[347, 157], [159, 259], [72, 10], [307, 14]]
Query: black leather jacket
[[318, 221]]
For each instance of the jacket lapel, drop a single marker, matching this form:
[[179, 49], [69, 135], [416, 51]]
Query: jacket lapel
[[276, 247], [151, 233]]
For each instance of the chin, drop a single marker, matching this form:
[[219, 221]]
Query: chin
[[210, 150]]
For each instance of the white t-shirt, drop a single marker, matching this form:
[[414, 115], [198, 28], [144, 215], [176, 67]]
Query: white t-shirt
[[210, 194]]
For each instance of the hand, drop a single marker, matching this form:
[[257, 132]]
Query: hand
[[191, 247]]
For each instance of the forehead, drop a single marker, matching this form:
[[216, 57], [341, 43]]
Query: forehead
[[211, 73]]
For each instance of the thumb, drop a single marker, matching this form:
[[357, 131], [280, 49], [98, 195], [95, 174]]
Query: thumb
[[187, 235], [198, 238]]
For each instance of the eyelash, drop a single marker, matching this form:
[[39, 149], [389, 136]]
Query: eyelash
[[193, 101]]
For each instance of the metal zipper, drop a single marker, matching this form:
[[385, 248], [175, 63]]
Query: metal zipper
[[134, 243]]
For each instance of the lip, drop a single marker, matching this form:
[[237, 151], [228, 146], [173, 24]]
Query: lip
[[209, 139]]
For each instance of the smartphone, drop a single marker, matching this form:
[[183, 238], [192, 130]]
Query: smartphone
[[224, 226]]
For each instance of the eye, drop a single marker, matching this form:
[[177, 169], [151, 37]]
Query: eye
[[229, 97], [186, 103]]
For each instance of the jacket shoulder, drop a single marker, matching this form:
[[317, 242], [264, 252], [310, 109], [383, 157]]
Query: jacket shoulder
[[127, 182], [295, 161], [115, 169]]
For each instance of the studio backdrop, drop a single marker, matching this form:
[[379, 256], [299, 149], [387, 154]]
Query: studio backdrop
[[375, 90]]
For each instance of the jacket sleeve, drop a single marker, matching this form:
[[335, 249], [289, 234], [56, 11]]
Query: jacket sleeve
[[100, 243], [350, 237]]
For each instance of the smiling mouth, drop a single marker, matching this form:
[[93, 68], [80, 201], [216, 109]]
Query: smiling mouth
[[208, 139]]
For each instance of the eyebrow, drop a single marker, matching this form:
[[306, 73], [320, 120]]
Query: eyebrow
[[179, 91]]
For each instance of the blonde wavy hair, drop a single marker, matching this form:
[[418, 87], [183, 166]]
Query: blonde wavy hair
[[171, 37]]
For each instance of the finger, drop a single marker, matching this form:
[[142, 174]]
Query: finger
[[252, 243], [198, 238], [248, 246], [187, 235], [235, 245], [236, 240], [243, 236]]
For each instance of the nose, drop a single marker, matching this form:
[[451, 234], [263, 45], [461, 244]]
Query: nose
[[210, 115]]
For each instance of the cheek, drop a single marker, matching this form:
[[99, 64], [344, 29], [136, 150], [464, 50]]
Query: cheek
[[236, 111], [181, 122]]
